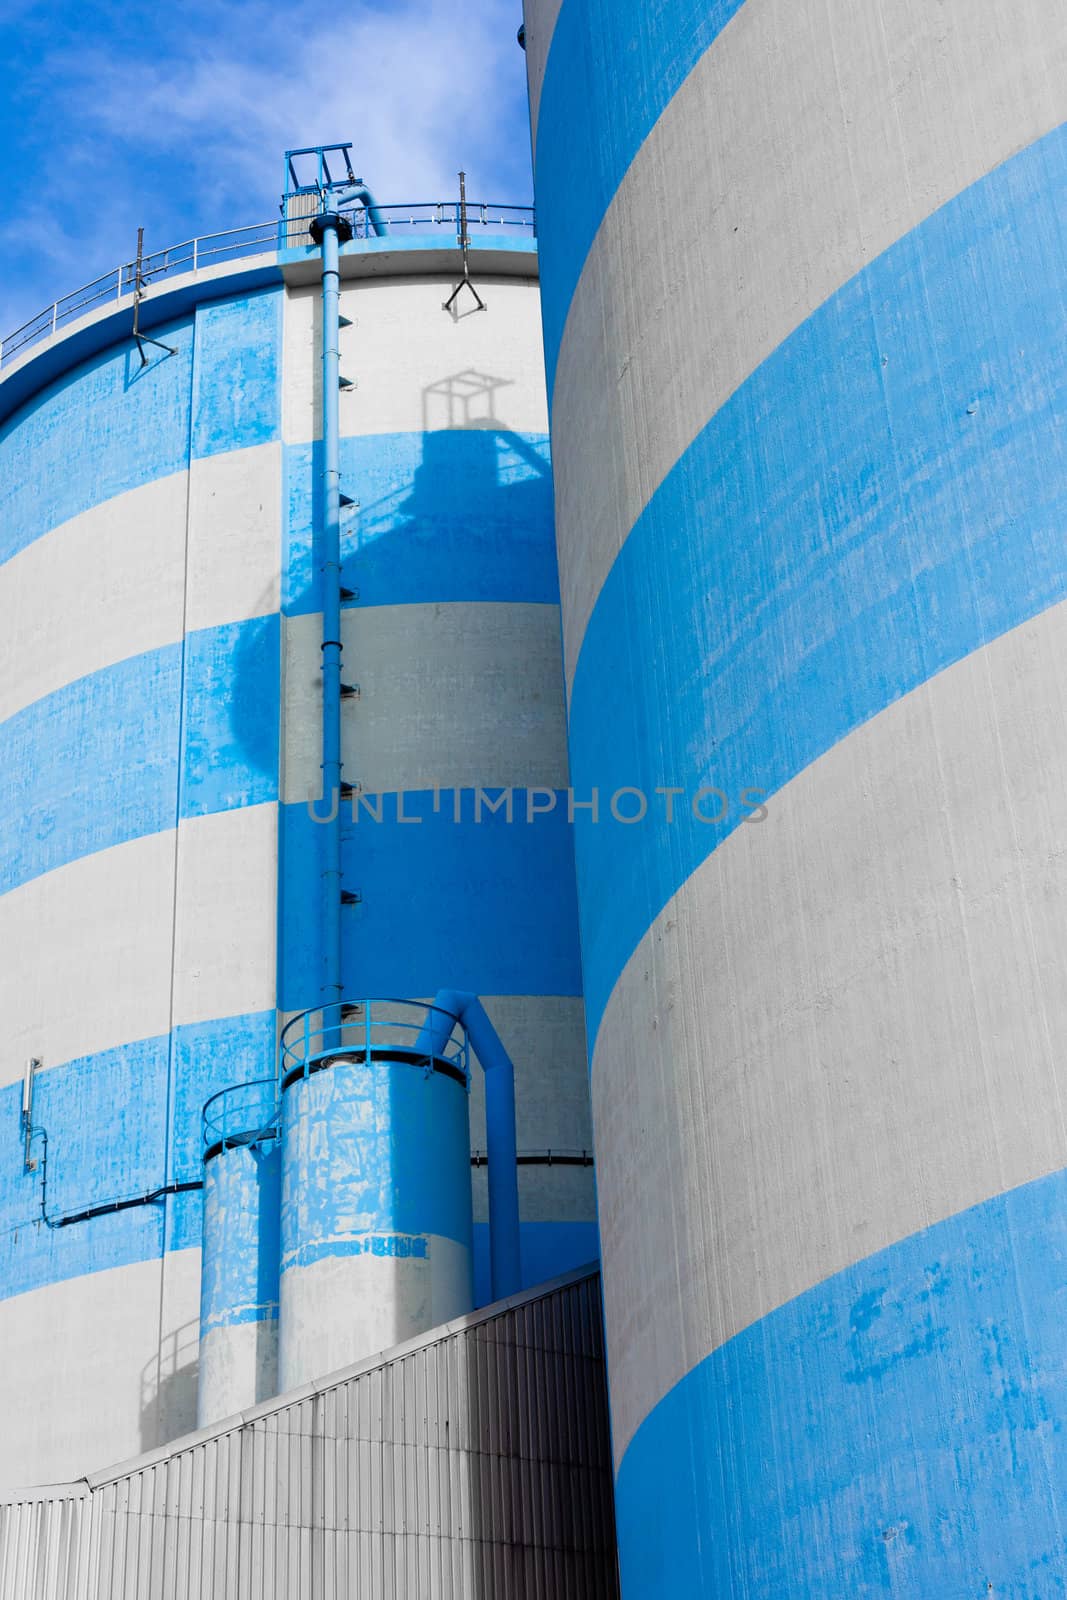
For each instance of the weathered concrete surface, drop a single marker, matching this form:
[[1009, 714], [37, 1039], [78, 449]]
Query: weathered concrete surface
[[847, 1025], [415, 368], [457, 695], [806, 141], [68, 1408]]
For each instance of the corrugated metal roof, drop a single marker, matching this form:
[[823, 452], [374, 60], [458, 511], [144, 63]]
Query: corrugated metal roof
[[473, 1462]]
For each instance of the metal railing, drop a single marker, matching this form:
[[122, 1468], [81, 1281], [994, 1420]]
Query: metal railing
[[242, 1114], [258, 238], [371, 1029]]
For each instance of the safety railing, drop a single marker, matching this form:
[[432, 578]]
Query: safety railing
[[233, 244], [245, 1113], [373, 1030]]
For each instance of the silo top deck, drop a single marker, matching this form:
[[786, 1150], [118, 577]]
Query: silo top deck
[[60, 338]]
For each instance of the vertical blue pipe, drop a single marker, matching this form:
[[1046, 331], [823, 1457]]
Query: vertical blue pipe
[[328, 226], [505, 1261]]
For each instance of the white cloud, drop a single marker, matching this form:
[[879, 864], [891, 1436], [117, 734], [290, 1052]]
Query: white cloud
[[194, 142], [420, 87]]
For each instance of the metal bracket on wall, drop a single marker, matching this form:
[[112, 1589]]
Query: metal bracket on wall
[[141, 339], [32, 1067], [464, 245]]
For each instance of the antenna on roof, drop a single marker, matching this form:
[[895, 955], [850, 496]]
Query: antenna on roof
[[464, 245], [139, 281]]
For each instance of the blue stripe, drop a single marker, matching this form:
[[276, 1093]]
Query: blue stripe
[[242, 1245], [232, 707], [171, 300], [106, 1119], [375, 1158], [886, 494], [613, 68], [96, 763], [107, 427], [461, 514], [237, 379], [548, 1248], [899, 1430], [486, 906], [113, 425]]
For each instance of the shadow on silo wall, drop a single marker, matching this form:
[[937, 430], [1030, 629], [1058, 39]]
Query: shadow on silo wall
[[168, 1387], [541, 1513]]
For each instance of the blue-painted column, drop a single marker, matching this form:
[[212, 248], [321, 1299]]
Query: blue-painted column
[[239, 1267], [376, 1208]]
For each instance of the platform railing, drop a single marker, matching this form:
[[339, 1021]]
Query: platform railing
[[257, 238], [244, 1113], [371, 1029]]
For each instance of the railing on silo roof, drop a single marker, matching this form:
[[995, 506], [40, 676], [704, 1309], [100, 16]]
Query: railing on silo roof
[[257, 238]]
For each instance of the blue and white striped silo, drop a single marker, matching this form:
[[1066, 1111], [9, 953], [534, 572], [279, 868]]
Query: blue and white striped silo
[[803, 273], [160, 882]]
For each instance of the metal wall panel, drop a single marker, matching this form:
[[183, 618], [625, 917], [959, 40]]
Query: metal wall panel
[[44, 1543], [474, 1462]]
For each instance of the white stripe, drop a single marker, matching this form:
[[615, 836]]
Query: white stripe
[[806, 141], [850, 1023], [459, 694], [238, 1370], [225, 960], [89, 946], [234, 536], [98, 1369], [111, 583], [416, 369], [342, 1309], [541, 17], [102, 587]]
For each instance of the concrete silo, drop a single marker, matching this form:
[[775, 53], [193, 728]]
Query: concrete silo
[[803, 277], [162, 876]]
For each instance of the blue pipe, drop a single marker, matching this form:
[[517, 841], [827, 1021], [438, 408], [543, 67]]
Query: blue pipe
[[329, 225], [357, 194], [361, 195], [505, 1261]]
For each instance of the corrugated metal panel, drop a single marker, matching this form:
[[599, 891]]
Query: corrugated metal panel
[[472, 1463], [44, 1543]]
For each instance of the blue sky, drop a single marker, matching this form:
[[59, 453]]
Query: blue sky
[[176, 116]]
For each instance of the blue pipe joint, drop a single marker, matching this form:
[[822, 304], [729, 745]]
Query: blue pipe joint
[[332, 220]]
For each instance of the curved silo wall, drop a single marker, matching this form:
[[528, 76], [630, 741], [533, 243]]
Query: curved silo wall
[[803, 279], [140, 665], [159, 719]]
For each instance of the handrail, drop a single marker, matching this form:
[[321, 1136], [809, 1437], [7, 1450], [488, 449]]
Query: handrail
[[231, 244], [242, 1113], [370, 1027]]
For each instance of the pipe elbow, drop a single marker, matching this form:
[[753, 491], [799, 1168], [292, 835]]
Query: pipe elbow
[[374, 215]]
